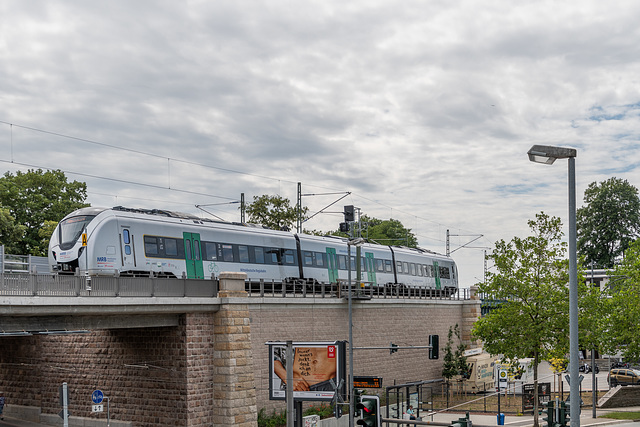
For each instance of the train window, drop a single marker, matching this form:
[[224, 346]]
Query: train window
[[405, 267], [363, 264], [259, 252], [353, 263], [288, 257], [171, 247], [273, 256], [188, 251], [419, 269], [308, 258], [150, 245], [412, 269], [227, 253], [342, 262], [319, 259], [196, 250], [428, 270], [380, 265], [399, 266], [125, 237], [209, 251], [444, 273], [71, 230], [388, 265], [243, 252]]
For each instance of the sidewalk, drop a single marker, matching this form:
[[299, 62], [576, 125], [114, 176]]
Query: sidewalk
[[13, 422], [527, 420]]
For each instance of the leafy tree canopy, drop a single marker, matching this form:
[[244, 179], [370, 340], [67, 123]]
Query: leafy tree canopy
[[274, 212], [624, 309], [609, 221], [10, 232], [530, 281], [35, 197], [389, 232]]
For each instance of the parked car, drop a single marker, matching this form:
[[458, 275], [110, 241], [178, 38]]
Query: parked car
[[623, 377]]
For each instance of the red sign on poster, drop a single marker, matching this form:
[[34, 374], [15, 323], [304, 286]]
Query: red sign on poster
[[331, 352]]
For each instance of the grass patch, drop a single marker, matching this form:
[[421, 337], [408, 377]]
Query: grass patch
[[622, 415]]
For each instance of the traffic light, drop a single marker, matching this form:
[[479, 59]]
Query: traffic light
[[563, 414], [461, 422], [548, 413], [434, 350], [344, 227], [349, 213], [393, 348], [369, 407]]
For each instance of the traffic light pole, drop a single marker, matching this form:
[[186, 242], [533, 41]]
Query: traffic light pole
[[352, 406]]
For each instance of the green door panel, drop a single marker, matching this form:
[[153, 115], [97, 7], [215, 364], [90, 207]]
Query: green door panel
[[193, 256], [332, 265]]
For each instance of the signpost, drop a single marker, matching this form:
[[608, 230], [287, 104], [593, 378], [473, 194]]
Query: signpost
[[97, 397]]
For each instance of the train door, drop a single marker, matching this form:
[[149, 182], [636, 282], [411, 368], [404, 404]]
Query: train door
[[332, 265], [436, 273], [128, 256], [371, 268], [193, 255]]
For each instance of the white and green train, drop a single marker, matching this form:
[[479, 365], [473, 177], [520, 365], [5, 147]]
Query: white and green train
[[136, 242]]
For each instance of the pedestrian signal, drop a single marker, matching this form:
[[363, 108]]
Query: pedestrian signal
[[369, 407]]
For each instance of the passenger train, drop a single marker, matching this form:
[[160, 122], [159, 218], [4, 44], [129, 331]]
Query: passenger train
[[136, 242]]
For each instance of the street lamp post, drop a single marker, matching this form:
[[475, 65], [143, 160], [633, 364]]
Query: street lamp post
[[547, 155]]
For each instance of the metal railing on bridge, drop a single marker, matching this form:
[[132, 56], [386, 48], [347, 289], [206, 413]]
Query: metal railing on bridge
[[34, 284], [22, 263], [20, 284]]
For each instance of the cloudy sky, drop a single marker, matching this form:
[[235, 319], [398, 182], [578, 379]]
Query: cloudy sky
[[423, 110]]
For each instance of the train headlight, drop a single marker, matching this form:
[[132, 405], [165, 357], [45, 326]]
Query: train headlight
[[54, 255]]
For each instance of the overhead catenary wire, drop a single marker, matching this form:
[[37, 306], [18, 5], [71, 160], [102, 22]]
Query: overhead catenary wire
[[169, 160]]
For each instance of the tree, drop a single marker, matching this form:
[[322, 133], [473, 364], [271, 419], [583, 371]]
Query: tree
[[10, 232], [455, 363], [274, 212], [35, 197], [531, 279], [624, 311], [609, 222], [389, 232]]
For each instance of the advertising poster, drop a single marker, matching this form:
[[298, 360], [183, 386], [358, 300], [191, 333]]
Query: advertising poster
[[315, 366]]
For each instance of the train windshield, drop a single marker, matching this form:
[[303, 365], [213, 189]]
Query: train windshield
[[71, 229]]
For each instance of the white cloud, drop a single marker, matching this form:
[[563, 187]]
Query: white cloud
[[424, 111]]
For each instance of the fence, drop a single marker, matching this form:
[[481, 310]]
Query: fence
[[22, 263], [20, 284]]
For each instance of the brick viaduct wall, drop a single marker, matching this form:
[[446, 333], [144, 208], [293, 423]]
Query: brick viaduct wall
[[376, 323], [213, 368]]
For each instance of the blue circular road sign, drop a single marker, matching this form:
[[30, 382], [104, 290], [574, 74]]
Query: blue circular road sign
[[97, 396]]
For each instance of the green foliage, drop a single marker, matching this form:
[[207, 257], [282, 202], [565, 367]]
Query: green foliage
[[10, 232], [454, 362], [594, 308], [624, 306], [531, 279], [324, 410], [280, 419], [274, 212], [273, 420], [609, 222], [35, 197], [389, 232]]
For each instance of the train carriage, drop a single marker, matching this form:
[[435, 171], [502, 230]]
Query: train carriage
[[136, 242]]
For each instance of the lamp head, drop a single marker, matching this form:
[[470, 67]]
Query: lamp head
[[547, 154]]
